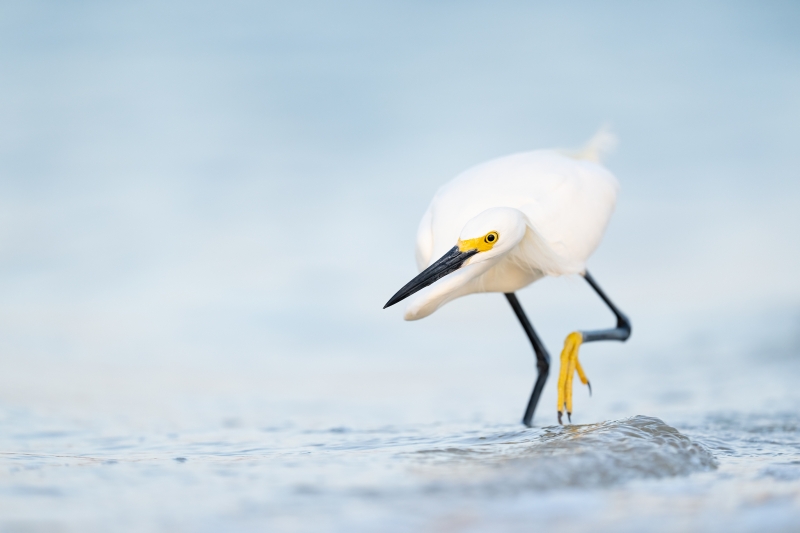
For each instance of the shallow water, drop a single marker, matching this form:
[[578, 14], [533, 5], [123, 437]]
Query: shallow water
[[203, 208], [722, 473], [690, 439]]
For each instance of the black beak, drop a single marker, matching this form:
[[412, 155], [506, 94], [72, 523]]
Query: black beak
[[449, 262]]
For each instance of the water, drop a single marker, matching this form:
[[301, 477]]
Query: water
[[732, 473], [204, 206], [696, 470]]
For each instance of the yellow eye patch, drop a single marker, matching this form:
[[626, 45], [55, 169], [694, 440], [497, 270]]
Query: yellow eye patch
[[482, 244]]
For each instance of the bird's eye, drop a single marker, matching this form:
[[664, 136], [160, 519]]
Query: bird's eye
[[491, 237]]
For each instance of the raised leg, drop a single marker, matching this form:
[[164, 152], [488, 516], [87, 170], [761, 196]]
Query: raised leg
[[542, 357], [569, 355], [619, 333]]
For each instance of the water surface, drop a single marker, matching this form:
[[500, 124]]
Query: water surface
[[723, 473]]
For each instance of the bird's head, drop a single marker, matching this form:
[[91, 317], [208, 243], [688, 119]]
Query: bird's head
[[484, 239], [491, 233]]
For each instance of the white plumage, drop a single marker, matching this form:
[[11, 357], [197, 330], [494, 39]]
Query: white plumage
[[550, 208]]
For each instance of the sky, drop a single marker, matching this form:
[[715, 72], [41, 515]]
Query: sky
[[235, 187]]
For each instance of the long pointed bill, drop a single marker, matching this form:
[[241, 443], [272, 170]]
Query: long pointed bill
[[449, 262]]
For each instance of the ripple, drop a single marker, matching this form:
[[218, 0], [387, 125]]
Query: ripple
[[593, 455], [782, 471]]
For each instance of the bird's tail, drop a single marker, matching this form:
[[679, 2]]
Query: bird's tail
[[601, 143]]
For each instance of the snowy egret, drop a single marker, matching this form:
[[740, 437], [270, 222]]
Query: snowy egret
[[506, 223]]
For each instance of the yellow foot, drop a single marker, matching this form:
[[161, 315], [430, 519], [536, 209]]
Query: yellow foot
[[569, 365]]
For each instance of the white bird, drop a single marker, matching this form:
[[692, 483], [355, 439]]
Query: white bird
[[506, 223]]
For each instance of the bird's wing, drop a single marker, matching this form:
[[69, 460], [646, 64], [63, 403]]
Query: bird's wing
[[573, 212], [568, 201]]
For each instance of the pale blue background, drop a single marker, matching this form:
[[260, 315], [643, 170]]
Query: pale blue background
[[212, 202]]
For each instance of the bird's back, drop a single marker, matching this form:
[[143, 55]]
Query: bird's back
[[568, 200]]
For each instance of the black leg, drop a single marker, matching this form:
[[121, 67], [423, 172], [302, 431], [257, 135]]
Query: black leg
[[619, 333], [542, 357]]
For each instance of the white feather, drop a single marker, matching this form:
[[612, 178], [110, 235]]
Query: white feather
[[566, 201]]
